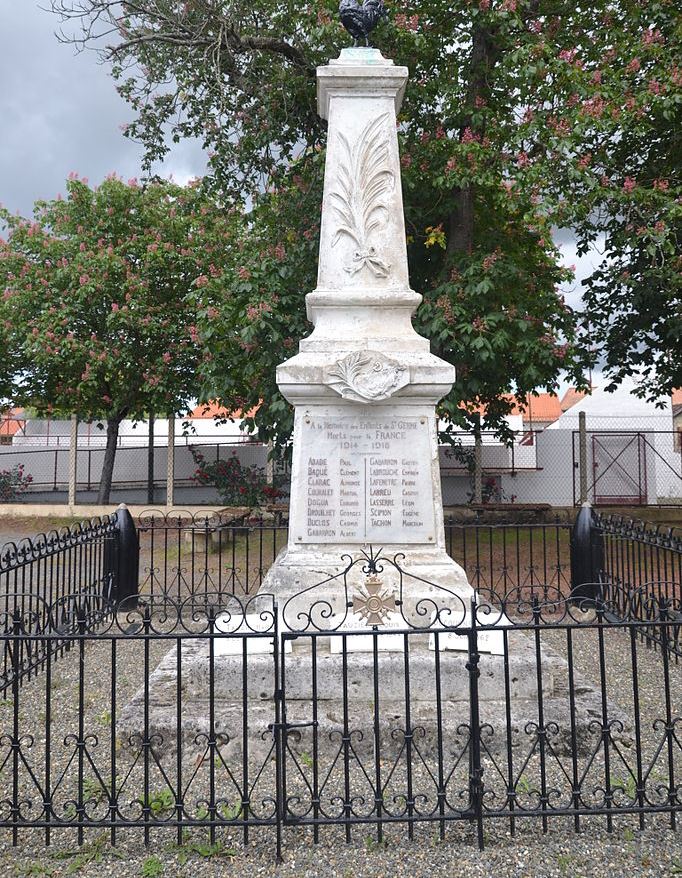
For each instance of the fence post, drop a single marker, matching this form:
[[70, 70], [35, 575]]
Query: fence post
[[582, 451], [73, 460], [128, 557], [475, 769], [170, 469], [150, 460], [587, 547], [478, 463]]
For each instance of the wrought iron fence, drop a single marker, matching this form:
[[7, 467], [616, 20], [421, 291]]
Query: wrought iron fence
[[210, 715], [185, 554], [639, 569], [42, 576]]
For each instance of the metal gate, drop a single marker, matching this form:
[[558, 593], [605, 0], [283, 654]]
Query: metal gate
[[619, 469], [375, 716], [369, 736]]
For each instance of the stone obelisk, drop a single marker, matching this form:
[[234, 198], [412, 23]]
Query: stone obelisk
[[364, 384]]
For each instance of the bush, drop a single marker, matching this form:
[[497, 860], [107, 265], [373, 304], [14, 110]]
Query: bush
[[236, 485], [13, 482]]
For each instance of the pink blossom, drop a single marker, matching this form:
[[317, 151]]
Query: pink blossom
[[201, 281], [484, 4], [212, 312], [167, 357], [114, 306], [629, 184], [567, 55], [634, 65], [652, 37], [661, 185], [522, 159], [244, 273], [596, 77], [654, 87], [280, 252], [106, 398], [83, 279], [406, 160], [594, 107], [508, 6], [402, 22]]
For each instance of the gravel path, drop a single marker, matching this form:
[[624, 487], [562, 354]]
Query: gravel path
[[657, 851]]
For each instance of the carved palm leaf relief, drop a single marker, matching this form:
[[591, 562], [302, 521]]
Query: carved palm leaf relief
[[364, 179]]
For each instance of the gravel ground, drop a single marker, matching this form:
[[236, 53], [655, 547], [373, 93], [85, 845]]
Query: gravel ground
[[657, 851]]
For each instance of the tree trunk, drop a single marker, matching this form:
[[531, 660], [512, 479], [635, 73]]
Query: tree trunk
[[484, 55], [109, 457], [461, 223]]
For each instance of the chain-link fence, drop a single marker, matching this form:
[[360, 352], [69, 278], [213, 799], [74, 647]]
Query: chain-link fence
[[553, 467]]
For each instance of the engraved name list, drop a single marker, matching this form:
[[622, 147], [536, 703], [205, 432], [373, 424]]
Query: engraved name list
[[366, 479]]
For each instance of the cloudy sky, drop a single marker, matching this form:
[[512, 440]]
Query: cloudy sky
[[60, 113]]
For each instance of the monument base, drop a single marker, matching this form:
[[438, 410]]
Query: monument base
[[374, 696]]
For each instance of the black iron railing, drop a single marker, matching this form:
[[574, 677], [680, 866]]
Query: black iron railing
[[46, 580], [183, 554], [183, 718]]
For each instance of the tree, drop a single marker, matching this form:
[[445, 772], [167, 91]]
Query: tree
[[513, 116], [634, 300], [97, 305]]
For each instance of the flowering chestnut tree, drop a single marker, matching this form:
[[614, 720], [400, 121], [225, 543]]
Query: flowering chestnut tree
[[518, 120], [98, 297]]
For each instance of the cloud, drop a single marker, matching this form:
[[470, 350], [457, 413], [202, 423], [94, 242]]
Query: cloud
[[61, 113]]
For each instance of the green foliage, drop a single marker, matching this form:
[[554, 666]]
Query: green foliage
[[204, 849], [159, 802], [94, 791], [520, 118], [306, 759], [152, 868], [626, 785], [34, 869], [83, 856], [524, 785]]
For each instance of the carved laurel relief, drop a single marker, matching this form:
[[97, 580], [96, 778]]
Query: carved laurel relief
[[364, 180], [366, 376]]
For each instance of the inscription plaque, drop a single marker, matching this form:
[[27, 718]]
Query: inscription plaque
[[366, 479]]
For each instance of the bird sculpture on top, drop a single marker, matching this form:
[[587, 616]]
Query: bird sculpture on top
[[360, 19]]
